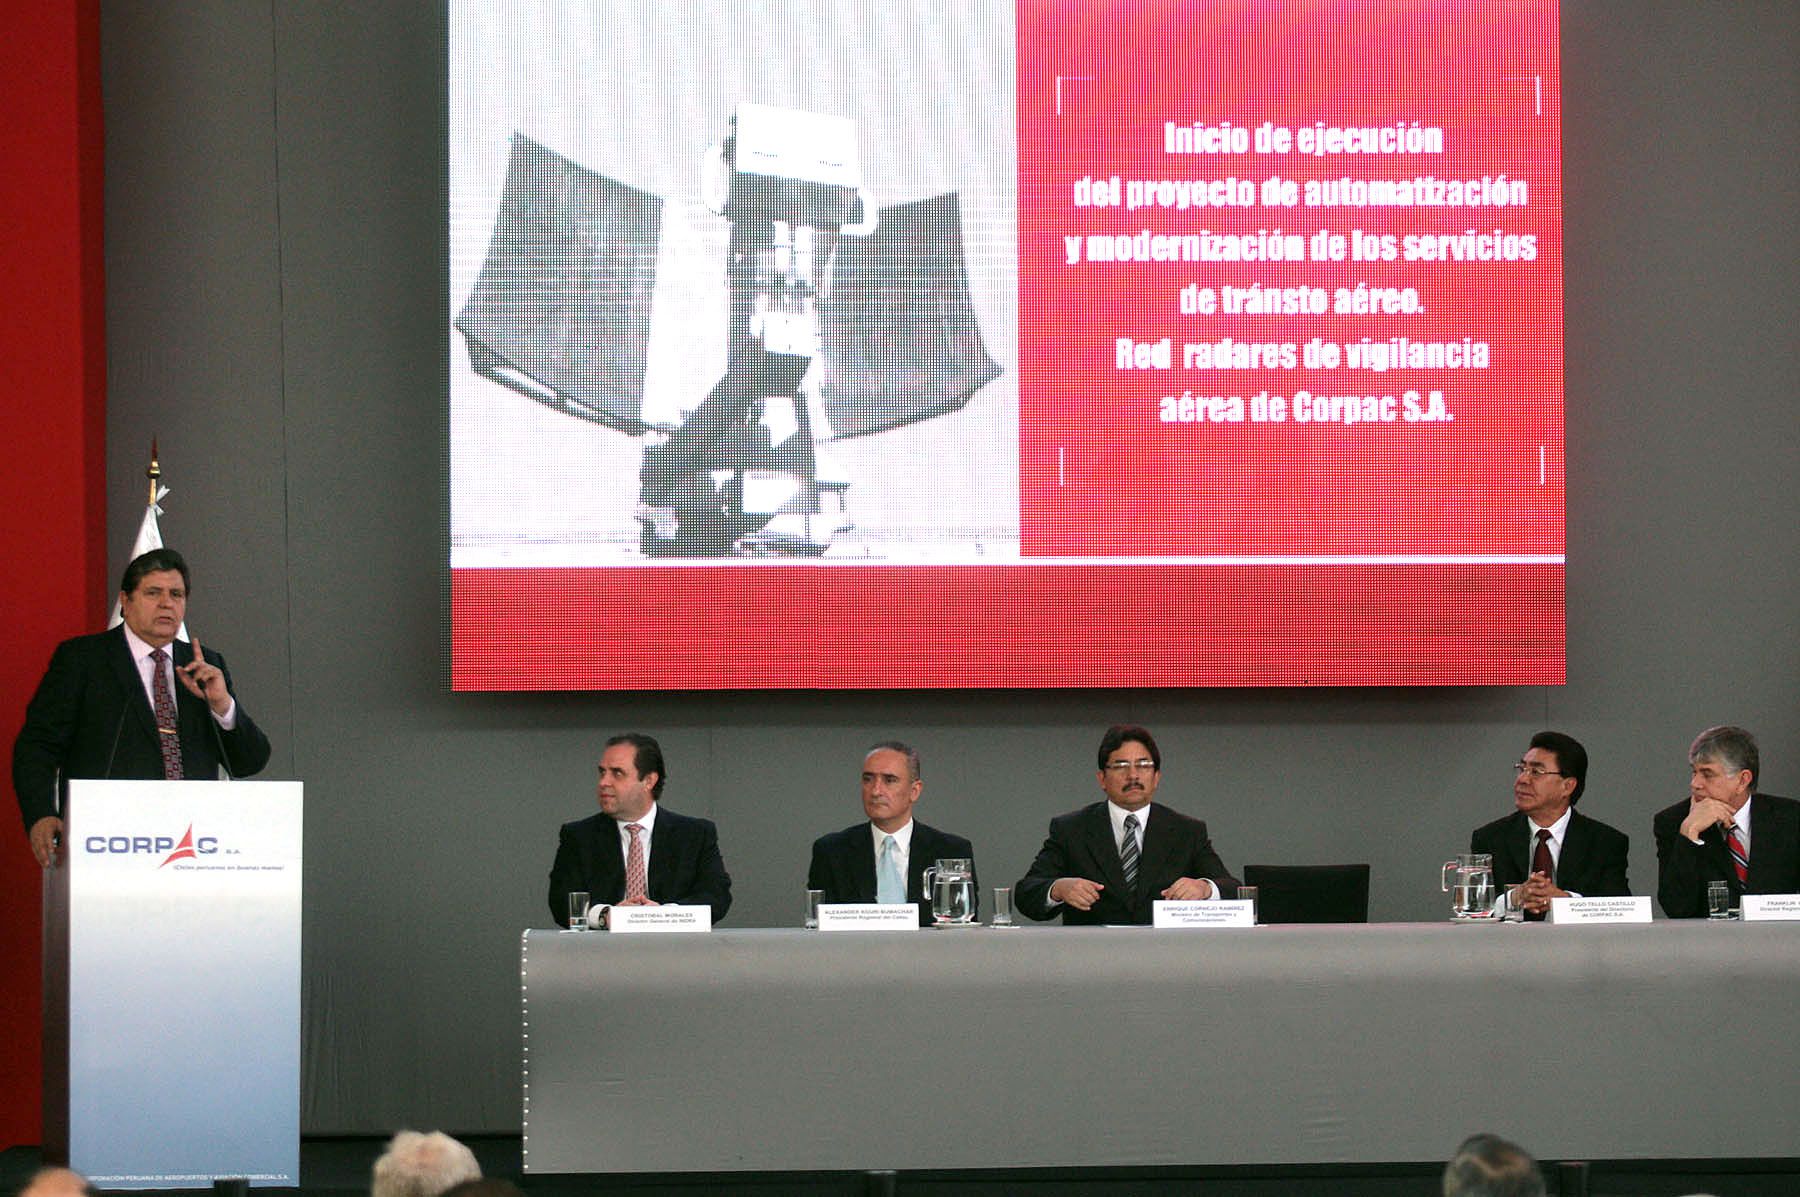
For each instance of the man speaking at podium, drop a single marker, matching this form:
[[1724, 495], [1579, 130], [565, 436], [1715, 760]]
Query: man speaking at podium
[[131, 703]]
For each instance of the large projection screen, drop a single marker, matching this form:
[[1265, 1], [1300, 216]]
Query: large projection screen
[[903, 343]]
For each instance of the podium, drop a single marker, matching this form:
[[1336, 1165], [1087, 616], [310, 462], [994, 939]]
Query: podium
[[172, 984]]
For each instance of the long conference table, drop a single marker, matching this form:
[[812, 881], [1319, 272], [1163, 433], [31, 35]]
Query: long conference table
[[771, 1050]]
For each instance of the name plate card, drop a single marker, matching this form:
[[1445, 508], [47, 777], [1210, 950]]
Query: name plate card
[[1599, 910], [868, 916], [649, 919], [1203, 914], [1771, 908]]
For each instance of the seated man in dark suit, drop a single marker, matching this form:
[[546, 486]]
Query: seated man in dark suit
[[1107, 863], [131, 703], [884, 859], [635, 852], [1546, 848], [1725, 830]]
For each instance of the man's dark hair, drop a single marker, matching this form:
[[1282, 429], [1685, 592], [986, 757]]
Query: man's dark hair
[[648, 758], [904, 749], [1571, 758], [1122, 733], [1732, 747], [1489, 1166], [155, 561]]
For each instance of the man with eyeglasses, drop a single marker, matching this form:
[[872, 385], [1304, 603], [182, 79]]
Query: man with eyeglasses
[[1546, 848], [1711, 834], [1106, 863]]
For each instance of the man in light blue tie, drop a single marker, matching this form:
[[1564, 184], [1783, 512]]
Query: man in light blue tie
[[884, 859]]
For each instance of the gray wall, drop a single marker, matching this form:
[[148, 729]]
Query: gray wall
[[276, 315]]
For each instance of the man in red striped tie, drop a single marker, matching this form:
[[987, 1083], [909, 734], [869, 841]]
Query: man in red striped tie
[[1546, 848], [1725, 830]]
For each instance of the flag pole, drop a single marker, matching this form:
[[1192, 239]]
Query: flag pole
[[149, 535]]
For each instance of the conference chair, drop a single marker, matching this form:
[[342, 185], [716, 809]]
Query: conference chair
[[1310, 893]]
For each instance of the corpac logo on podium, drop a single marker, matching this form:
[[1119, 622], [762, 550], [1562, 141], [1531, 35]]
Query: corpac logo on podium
[[188, 847]]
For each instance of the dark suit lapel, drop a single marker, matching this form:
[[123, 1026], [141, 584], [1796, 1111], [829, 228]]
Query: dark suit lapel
[[919, 857], [1718, 857], [190, 708], [1159, 847], [665, 850], [1098, 831], [608, 861], [1519, 840], [131, 683], [1766, 851], [1577, 844], [861, 865]]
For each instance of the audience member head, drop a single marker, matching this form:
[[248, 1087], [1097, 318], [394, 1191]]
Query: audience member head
[[56, 1182], [491, 1187], [422, 1165], [1489, 1166]]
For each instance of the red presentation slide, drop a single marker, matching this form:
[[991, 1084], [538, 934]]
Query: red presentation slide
[[1230, 354]]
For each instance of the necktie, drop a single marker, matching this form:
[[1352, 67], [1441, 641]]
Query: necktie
[[1740, 859], [1541, 863], [636, 879], [889, 887], [167, 728], [1128, 852]]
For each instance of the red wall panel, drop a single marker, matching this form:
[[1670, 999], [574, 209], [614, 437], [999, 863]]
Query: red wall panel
[[52, 434]]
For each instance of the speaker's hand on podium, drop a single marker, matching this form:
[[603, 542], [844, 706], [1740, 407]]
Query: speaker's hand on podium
[[46, 840]]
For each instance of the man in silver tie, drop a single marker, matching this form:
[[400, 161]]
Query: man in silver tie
[[1108, 862]]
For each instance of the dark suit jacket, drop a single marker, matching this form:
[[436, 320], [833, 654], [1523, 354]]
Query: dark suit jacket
[[1683, 868], [1081, 845], [843, 864], [685, 865], [1593, 854], [90, 718]]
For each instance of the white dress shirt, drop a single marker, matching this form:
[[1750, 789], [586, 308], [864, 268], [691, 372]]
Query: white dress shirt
[[1557, 830], [902, 850]]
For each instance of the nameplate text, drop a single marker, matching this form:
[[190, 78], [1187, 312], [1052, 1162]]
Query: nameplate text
[[651, 919], [1771, 908], [1203, 914], [1599, 910], [868, 916]]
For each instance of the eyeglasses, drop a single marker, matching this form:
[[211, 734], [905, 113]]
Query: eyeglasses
[[1536, 770], [1121, 768]]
